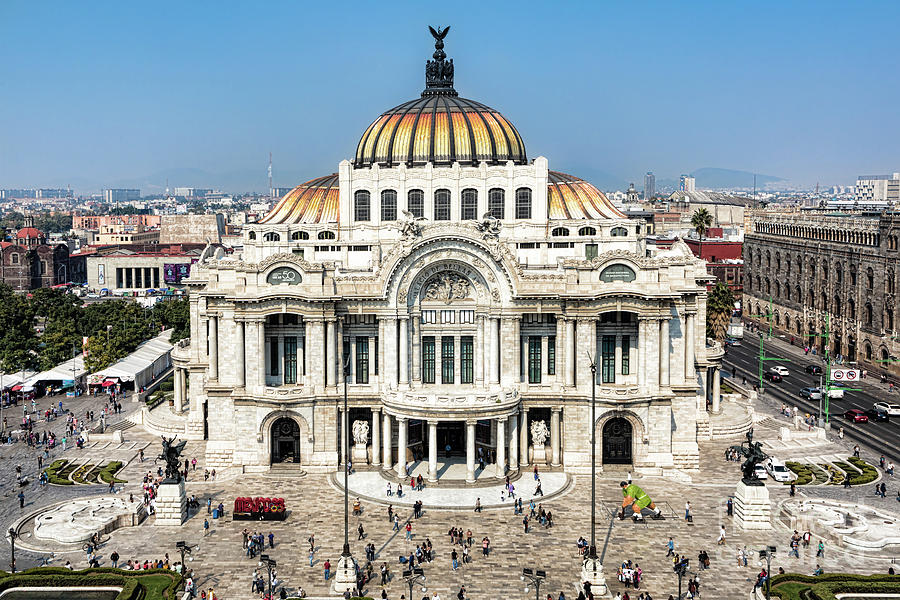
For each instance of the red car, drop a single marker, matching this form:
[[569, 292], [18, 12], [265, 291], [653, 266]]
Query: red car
[[856, 415]]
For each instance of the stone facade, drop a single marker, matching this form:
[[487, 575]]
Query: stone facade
[[30, 263], [815, 266]]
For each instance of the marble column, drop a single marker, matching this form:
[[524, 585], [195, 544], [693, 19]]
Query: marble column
[[554, 436], [513, 443], [478, 350], [261, 355], [404, 352], [432, 450], [545, 360], [716, 390], [501, 447], [644, 366], [560, 354], [331, 360], [402, 429], [386, 440], [570, 351], [523, 438], [494, 324], [690, 375], [470, 451], [415, 334], [179, 390], [389, 342], [653, 377], [214, 347], [376, 435], [517, 354], [241, 354], [664, 379]]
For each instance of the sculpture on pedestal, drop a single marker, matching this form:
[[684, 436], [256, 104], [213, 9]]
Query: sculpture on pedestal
[[754, 455], [171, 453], [539, 433], [361, 432]]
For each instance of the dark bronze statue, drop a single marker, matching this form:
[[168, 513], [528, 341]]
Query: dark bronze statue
[[439, 72], [171, 453], [754, 455]]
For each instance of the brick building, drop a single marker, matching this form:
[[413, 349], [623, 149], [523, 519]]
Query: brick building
[[28, 262]]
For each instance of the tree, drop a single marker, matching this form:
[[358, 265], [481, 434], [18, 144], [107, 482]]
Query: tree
[[701, 221], [175, 315], [719, 306]]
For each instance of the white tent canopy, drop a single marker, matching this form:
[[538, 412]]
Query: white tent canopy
[[8, 380], [71, 369], [142, 366]]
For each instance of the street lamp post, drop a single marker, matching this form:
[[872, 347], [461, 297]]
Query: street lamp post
[[535, 577], [592, 568], [767, 554], [269, 564], [680, 569], [183, 548], [413, 576], [345, 578], [12, 540]]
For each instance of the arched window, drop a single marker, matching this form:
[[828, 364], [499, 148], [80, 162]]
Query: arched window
[[788, 264], [884, 354], [870, 279], [852, 275], [777, 289], [497, 203], [851, 309], [299, 235], [787, 291], [468, 206], [777, 319], [750, 282], [416, 203], [825, 272], [868, 319], [777, 261], [868, 351], [251, 235], [787, 322], [838, 273], [618, 232], [523, 203], [587, 231], [837, 305], [889, 318], [824, 301], [768, 286], [326, 235], [559, 232], [750, 255], [798, 296], [361, 205], [889, 281], [272, 237], [389, 205], [442, 205]]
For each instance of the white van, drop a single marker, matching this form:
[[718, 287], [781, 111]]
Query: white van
[[778, 470]]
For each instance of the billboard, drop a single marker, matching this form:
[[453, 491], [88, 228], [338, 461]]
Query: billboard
[[174, 273]]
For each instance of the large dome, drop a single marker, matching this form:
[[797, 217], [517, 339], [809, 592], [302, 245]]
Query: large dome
[[441, 129]]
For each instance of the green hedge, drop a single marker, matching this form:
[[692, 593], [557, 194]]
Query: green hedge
[[824, 587], [108, 473], [869, 472], [154, 584], [804, 473], [80, 472], [52, 473]]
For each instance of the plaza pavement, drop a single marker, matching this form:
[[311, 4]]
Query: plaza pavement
[[315, 506]]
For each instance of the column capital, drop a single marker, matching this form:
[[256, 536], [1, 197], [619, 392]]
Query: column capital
[[433, 422], [556, 409], [375, 409], [401, 419], [472, 422], [387, 318]]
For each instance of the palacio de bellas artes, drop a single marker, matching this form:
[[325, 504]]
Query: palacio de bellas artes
[[466, 289]]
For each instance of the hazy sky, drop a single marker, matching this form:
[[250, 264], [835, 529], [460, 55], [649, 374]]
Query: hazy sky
[[96, 93]]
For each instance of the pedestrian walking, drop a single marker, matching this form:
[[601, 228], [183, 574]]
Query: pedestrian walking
[[21, 499], [688, 517], [670, 547], [478, 504], [362, 533], [856, 451], [271, 540], [208, 505], [327, 567], [729, 507], [820, 551], [408, 530], [721, 540], [205, 527]]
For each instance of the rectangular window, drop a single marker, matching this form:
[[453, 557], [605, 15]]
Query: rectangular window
[[345, 354], [442, 205], [389, 205], [290, 359], [429, 316], [273, 356], [626, 359], [469, 205], [608, 359], [448, 316], [496, 203], [466, 359], [416, 203], [447, 360], [590, 251], [534, 359], [523, 203], [467, 316], [362, 360], [376, 355], [551, 355], [428, 359]]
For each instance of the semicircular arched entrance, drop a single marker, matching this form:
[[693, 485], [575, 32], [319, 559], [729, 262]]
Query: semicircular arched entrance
[[617, 442], [285, 435]]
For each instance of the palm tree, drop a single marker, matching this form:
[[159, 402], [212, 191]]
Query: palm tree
[[701, 221], [719, 306]]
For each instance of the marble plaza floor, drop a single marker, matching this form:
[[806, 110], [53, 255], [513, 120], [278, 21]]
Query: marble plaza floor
[[315, 505]]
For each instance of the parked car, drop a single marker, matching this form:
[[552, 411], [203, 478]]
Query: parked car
[[732, 342], [856, 415], [772, 376], [760, 472], [814, 369], [780, 370], [877, 414], [892, 410], [811, 393], [778, 470]]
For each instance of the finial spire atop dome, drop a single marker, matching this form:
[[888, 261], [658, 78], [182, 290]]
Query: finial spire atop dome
[[439, 72]]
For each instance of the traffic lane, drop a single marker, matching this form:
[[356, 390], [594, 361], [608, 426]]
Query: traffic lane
[[882, 433]]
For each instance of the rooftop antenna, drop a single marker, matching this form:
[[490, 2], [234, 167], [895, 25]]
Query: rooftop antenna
[[271, 189]]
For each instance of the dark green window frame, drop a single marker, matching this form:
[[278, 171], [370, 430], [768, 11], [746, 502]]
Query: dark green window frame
[[428, 359], [608, 359], [534, 359], [626, 359], [290, 359], [466, 359], [273, 356], [551, 355], [362, 360], [447, 356]]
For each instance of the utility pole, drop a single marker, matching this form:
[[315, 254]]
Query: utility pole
[[762, 335]]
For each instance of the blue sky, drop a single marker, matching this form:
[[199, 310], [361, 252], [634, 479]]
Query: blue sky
[[99, 93]]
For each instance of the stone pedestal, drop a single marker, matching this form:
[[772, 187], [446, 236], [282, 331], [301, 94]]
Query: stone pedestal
[[752, 509], [171, 504], [539, 455], [592, 571], [345, 575], [360, 454]]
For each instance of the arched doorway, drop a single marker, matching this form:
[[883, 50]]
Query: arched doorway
[[617, 442], [285, 441]]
